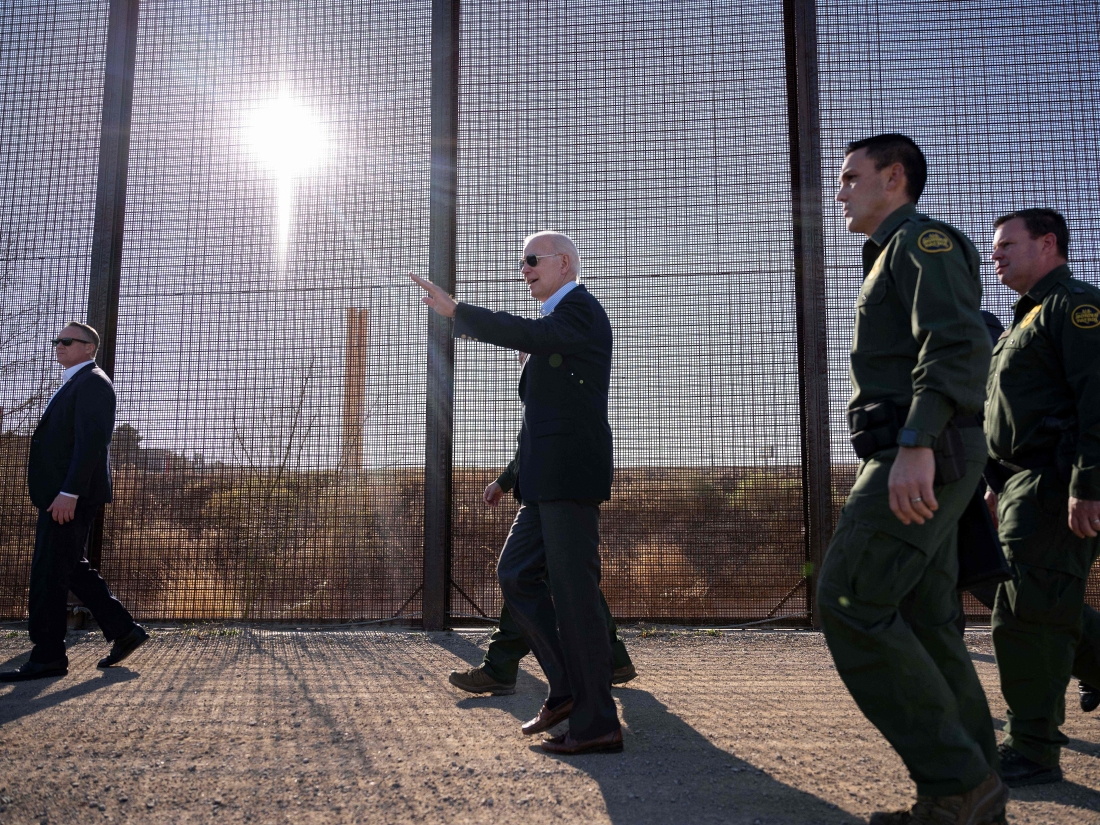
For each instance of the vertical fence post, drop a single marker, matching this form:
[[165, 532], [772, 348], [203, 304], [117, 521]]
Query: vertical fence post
[[804, 122], [441, 352], [110, 201]]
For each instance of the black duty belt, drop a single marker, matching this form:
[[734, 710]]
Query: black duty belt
[[875, 426]]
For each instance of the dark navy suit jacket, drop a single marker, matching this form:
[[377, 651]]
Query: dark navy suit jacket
[[69, 448], [565, 449]]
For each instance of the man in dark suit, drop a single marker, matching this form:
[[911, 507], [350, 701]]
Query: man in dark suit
[[498, 670], [69, 478], [565, 467]]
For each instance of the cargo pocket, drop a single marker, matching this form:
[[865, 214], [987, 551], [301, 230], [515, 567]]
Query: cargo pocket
[[867, 566]]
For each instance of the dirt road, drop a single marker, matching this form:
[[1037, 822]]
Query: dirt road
[[223, 724]]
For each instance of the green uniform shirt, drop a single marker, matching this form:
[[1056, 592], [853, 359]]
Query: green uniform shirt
[[919, 335], [1046, 375]]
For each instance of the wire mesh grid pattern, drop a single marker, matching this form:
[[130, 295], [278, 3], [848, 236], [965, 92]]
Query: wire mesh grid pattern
[[51, 93], [270, 359], [270, 368], [655, 135], [1004, 102]]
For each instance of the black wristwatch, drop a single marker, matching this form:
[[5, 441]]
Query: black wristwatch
[[907, 437]]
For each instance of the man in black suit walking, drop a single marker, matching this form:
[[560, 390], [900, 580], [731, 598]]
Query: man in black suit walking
[[69, 477], [565, 467]]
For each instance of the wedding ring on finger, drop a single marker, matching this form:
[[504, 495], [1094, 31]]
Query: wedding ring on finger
[[915, 500]]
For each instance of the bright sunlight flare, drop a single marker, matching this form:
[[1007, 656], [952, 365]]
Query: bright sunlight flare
[[289, 142]]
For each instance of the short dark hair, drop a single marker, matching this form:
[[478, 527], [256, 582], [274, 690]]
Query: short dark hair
[[87, 330], [1040, 222], [892, 148]]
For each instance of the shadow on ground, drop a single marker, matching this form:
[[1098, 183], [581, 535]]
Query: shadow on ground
[[668, 772]]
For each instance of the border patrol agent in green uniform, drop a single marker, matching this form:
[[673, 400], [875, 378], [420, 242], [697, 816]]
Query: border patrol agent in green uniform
[[1043, 424], [1086, 659], [920, 357], [498, 671]]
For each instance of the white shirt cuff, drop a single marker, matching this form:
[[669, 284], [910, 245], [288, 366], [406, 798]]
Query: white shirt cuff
[[70, 495]]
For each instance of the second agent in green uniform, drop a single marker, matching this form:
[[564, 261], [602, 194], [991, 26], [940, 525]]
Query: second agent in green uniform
[[919, 361], [1043, 424]]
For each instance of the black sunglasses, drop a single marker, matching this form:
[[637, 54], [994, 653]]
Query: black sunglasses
[[68, 342], [533, 260]]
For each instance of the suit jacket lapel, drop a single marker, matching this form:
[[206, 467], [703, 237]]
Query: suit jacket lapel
[[61, 391]]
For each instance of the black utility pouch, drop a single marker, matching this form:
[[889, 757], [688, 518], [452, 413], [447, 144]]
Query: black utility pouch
[[873, 427], [950, 455]]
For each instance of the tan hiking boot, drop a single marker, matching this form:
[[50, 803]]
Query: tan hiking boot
[[983, 805], [476, 680]]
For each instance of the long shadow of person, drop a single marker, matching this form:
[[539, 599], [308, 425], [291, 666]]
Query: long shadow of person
[[670, 773], [28, 698]]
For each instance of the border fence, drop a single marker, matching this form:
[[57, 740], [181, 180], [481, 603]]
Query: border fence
[[233, 193]]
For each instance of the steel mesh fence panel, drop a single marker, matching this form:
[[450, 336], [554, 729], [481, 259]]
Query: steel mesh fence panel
[[655, 135], [270, 359], [51, 92], [270, 367], [1004, 101]]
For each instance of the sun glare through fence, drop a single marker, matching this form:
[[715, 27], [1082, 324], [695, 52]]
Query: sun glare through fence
[[289, 142]]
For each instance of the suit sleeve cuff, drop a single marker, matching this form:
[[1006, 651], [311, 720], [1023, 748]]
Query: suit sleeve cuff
[[504, 480], [461, 327], [928, 415], [1085, 483], [68, 495]]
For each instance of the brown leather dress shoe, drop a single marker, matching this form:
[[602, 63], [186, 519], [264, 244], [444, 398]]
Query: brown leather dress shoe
[[568, 746], [547, 718]]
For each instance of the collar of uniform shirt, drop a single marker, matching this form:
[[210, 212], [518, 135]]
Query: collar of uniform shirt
[[891, 222], [554, 299], [1038, 292]]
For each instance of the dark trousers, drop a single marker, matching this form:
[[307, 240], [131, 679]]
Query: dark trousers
[[507, 646], [59, 565], [1086, 657], [554, 545]]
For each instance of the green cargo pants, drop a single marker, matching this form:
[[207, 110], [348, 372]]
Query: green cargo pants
[[1086, 658], [914, 679], [507, 646], [1039, 616]]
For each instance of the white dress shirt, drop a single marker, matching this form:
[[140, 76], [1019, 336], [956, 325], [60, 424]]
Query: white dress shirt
[[555, 299], [69, 373]]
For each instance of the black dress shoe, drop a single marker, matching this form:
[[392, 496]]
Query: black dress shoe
[[36, 670], [1017, 770], [125, 646], [1090, 697]]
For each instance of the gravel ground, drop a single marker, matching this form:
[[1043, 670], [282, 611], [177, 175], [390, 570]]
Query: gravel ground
[[231, 724]]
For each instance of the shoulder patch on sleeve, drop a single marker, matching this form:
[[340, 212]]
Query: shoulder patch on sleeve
[[1086, 316], [933, 240]]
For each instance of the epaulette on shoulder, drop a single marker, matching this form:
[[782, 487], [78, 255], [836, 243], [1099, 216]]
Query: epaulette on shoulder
[[1076, 287]]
